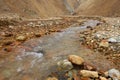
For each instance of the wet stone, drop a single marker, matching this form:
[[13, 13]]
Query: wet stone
[[64, 65]]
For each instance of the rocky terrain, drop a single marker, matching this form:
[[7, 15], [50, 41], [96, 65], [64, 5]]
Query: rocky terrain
[[105, 39], [99, 35], [59, 40], [75, 68]]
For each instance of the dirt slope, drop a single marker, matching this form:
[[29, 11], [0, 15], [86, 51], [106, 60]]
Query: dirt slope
[[35, 8], [100, 7]]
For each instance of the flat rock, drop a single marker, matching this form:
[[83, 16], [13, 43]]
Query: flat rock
[[86, 73]]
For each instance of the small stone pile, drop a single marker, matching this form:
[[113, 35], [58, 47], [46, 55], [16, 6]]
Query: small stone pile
[[75, 68], [105, 39]]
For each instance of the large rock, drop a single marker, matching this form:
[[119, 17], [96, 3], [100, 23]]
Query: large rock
[[76, 59], [114, 74], [86, 73]]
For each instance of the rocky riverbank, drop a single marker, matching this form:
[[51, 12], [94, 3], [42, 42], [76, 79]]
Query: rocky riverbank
[[76, 68], [105, 39], [14, 32]]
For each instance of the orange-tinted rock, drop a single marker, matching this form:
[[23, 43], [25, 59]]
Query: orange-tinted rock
[[76, 59], [86, 73]]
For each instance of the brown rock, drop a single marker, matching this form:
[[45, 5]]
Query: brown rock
[[75, 59], [86, 73], [38, 34]]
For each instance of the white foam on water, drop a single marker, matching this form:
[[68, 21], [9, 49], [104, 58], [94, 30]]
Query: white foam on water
[[33, 54]]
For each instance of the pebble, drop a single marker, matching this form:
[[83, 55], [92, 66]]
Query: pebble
[[104, 43], [76, 59], [106, 74], [21, 38], [38, 34], [86, 73], [11, 27]]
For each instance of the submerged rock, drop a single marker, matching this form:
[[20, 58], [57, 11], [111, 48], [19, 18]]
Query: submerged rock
[[76, 59], [64, 65]]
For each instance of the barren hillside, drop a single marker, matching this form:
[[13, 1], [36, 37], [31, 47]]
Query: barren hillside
[[49, 8], [35, 8], [100, 7]]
